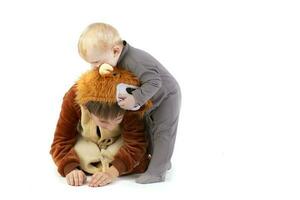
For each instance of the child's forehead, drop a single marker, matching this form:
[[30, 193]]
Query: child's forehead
[[95, 55]]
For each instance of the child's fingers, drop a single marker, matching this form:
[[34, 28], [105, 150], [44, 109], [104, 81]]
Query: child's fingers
[[81, 178], [122, 103], [102, 180], [76, 178], [120, 100], [68, 181], [71, 179], [122, 97], [105, 182], [95, 179]]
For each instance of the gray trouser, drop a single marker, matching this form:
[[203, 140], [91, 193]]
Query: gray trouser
[[161, 125]]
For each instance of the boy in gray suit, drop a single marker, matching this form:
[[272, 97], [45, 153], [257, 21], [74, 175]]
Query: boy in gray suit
[[100, 43]]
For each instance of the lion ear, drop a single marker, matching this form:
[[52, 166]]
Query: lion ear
[[105, 69]]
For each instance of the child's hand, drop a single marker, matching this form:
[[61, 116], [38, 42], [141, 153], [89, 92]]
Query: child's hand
[[104, 178], [76, 177], [126, 101]]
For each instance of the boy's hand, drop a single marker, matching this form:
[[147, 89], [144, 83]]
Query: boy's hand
[[76, 177], [104, 178], [126, 101]]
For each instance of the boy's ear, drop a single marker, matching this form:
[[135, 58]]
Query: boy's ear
[[116, 50], [85, 108]]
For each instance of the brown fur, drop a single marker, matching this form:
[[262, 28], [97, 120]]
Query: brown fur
[[91, 86]]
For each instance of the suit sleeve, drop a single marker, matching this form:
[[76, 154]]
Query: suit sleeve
[[65, 137], [134, 144]]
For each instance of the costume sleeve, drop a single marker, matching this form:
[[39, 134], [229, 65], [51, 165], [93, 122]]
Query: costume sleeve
[[62, 148], [134, 145]]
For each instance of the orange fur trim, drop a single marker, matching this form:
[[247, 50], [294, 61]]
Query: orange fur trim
[[91, 86]]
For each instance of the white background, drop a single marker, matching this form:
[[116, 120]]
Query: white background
[[238, 66]]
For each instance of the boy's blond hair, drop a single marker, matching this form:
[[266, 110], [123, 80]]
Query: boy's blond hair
[[100, 36]]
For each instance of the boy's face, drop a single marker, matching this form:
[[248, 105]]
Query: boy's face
[[97, 57], [108, 124]]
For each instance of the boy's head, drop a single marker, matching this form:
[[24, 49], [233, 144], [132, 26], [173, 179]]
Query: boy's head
[[100, 43], [105, 115], [97, 91]]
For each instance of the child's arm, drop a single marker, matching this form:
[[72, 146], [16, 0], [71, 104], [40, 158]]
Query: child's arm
[[150, 84], [62, 148]]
